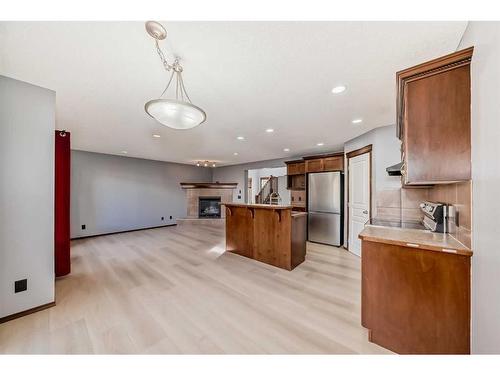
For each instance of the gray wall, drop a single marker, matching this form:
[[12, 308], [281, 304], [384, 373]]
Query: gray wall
[[385, 152], [239, 173], [485, 121], [27, 123], [115, 193]]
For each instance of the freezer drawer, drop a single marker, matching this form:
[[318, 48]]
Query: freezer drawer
[[324, 228]]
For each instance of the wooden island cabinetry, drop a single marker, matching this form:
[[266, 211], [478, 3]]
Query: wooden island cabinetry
[[275, 235]]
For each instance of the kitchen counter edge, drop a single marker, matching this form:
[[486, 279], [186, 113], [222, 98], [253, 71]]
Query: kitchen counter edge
[[415, 239]]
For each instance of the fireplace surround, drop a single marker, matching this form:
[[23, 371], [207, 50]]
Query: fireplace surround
[[196, 191]]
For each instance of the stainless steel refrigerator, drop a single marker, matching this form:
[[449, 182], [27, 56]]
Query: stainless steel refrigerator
[[325, 207]]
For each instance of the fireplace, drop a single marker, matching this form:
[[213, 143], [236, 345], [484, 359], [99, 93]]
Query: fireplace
[[209, 207]]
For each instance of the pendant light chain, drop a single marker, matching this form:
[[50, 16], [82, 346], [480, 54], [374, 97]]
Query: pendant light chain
[[176, 68], [164, 61]]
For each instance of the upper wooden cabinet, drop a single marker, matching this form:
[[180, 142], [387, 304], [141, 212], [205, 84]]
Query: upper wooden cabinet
[[325, 163], [314, 165], [334, 163], [296, 179], [295, 167], [433, 120]]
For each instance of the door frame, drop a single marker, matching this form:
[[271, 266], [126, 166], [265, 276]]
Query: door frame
[[360, 151]]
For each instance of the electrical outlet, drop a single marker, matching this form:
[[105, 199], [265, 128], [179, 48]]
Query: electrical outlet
[[20, 285], [84, 226]]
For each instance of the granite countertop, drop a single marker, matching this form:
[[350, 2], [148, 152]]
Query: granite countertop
[[414, 238]]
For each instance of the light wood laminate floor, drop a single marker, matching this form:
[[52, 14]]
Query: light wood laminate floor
[[174, 290]]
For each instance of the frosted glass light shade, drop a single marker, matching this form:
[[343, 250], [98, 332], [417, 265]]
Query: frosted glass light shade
[[175, 114]]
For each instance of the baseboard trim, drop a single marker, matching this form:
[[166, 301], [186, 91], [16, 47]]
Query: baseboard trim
[[27, 312], [122, 231]]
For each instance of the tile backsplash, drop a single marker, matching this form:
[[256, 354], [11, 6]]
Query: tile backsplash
[[460, 196], [403, 204], [400, 204]]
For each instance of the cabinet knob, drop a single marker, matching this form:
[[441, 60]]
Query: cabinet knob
[[365, 212]]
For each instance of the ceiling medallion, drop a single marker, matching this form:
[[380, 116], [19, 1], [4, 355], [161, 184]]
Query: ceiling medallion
[[178, 112]]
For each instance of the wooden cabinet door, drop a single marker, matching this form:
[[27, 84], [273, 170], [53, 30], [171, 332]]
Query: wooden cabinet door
[[334, 163], [437, 127], [433, 120], [314, 165], [295, 168], [415, 301], [299, 182], [301, 168]]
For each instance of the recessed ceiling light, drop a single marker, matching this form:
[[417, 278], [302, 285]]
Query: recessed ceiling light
[[240, 138], [156, 136], [213, 165], [286, 149], [124, 152], [338, 89], [320, 144], [357, 121], [206, 164], [198, 164], [235, 154], [269, 130]]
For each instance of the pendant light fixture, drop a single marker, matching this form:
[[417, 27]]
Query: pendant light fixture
[[205, 163], [178, 112]]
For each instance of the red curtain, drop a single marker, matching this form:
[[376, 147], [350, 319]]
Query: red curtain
[[62, 203]]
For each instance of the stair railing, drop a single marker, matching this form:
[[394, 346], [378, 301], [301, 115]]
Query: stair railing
[[270, 187]]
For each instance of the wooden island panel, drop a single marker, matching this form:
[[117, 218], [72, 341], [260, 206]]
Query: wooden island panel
[[269, 234], [241, 224]]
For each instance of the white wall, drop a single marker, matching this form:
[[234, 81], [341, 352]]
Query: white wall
[[485, 76], [27, 123], [115, 193], [239, 174], [256, 175]]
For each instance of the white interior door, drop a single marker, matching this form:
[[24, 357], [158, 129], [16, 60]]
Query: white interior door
[[359, 199]]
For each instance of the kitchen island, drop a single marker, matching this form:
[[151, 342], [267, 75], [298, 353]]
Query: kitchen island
[[272, 234]]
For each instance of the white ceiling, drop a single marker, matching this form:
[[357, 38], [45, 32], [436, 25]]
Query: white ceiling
[[247, 76]]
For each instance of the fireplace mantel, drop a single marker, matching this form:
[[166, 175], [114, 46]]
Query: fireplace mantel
[[209, 185]]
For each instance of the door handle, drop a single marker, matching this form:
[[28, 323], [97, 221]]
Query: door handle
[[365, 211]]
